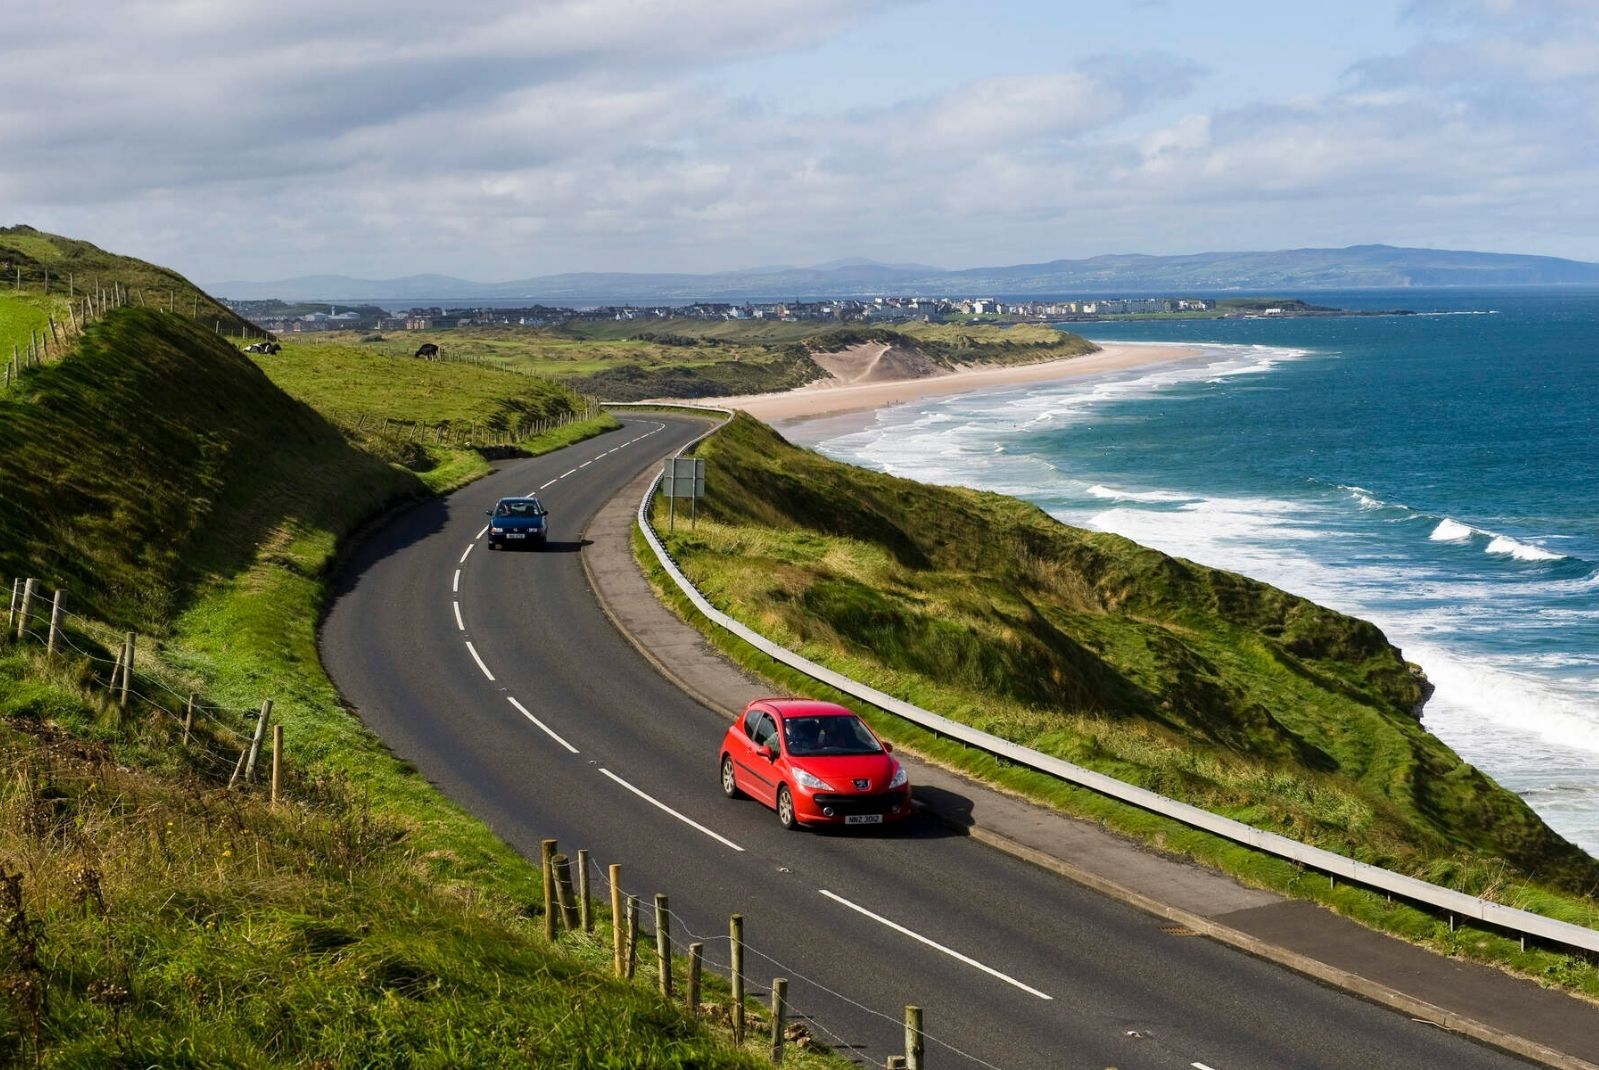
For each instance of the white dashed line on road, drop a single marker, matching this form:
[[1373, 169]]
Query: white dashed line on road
[[455, 584], [479, 661], [1200, 1066], [523, 710], [718, 837], [566, 473], [935, 945], [468, 550], [459, 625], [482, 533], [551, 483]]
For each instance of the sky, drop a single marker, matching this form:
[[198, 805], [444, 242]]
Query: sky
[[503, 139]]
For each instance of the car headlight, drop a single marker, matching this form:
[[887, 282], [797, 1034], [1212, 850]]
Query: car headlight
[[498, 531], [815, 783], [899, 777]]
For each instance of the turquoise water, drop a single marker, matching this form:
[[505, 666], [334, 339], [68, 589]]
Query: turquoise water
[[1434, 473]]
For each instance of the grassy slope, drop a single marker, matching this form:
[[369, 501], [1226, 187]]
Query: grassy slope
[[83, 266], [1198, 683], [368, 922]]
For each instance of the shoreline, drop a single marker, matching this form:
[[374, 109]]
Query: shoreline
[[818, 400]]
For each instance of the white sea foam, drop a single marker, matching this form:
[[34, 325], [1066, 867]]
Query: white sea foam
[[1451, 531], [1100, 491], [1505, 546]]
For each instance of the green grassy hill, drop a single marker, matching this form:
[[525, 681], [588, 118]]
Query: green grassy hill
[[1200, 684], [157, 917], [54, 266]]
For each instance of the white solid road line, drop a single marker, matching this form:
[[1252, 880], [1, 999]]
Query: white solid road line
[[458, 623], [546, 728], [455, 584], [479, 661], [468, 550], [935, 945], [686, 820]]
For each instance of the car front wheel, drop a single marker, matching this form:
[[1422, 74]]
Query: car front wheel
[[785, 809], [729, 785]]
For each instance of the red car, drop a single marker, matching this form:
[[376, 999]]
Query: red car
[[814, 763]]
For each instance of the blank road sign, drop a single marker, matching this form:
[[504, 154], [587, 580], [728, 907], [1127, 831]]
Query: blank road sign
[[683, 477]]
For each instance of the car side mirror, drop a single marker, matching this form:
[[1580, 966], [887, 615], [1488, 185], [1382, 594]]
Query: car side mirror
[[769, 752], [488, 512], [888, 748]]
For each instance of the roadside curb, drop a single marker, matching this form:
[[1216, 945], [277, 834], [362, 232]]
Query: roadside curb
[[1333, 977]]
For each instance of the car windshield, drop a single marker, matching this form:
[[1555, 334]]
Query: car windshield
[[835, 735], [519, 507]]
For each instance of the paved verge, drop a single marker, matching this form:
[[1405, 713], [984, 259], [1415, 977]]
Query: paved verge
[[1478, 1001]]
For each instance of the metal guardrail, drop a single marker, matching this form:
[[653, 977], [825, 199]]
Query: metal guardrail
[[1456, 903]]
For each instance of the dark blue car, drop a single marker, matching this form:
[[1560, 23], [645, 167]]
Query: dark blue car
[[517, 522]]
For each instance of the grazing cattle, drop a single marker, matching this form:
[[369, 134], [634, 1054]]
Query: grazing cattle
[[428, 351], [263, 347]]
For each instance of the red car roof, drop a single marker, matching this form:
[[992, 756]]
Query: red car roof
[[804, 707]]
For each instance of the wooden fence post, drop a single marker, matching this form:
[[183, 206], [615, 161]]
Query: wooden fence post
[[585, 907], [257, 739], [663, 944], [632, 937], [277, 761], [16, 599], [55, 625], [547, 871], [563, 891], [696, 966], [238, 766], [128, 646], [618, 952], [27, 608], [779, 1011], [735, 968], [188, 719], [913, 1037]]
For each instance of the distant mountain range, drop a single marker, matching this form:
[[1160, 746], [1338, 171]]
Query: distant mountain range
[[1378, 266]]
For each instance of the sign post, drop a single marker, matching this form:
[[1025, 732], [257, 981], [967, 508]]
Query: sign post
[[683, 477]]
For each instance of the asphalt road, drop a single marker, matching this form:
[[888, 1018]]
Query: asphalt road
[[498, 676]]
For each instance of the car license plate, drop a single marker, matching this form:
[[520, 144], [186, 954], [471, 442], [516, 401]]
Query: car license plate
[[863, 819], [516, 535]]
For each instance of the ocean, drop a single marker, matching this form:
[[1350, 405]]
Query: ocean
[[1437, 474]]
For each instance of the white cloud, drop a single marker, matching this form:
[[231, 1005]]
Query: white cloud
[[254, 139]]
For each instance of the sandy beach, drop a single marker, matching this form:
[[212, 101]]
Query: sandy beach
[[835, 395]]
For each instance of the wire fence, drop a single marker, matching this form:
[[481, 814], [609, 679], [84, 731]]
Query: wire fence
[[785, 970], [109, 664]]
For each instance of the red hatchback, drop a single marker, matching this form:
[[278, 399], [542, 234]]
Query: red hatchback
[[814, 763]]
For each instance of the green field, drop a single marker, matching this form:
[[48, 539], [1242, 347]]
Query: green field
[[1199, 684], [158, 918], [632, 360]]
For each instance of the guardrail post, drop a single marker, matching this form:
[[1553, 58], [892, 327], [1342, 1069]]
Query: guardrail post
[[735, 967], [779, 1012], [663, 944]]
